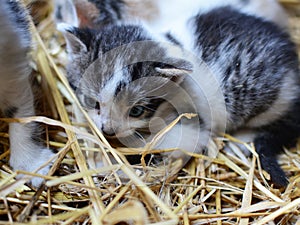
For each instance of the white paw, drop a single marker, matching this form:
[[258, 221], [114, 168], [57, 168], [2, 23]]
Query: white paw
[[32, 159], [37, 181]]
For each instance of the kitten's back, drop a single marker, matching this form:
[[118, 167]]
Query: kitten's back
[[249, 62]]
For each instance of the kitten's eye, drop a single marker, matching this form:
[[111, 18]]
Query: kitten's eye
[[91, 103], [137, 111]]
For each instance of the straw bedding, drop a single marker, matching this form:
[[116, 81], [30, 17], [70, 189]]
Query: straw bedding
[[228, 189]]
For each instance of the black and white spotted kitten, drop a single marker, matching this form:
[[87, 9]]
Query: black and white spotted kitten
[[17, 100], [132, 82]]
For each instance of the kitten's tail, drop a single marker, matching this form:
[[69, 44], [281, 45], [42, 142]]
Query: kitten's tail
[[15, 41]]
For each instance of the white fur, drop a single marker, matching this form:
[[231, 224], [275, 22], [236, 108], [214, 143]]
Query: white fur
[[63, 27], [174, 17], [268, 9], [25, 154], [177, 138]]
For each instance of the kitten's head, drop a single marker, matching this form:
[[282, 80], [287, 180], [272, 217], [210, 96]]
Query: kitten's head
[[124, 79]]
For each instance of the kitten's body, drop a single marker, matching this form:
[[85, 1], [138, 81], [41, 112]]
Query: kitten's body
[[15, 90], [254, 82]]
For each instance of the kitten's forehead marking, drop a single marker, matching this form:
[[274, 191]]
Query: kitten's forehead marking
[[111, 87]]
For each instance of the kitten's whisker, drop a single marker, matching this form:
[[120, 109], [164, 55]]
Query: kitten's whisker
[[156, 97], [137, 134], [150, 109]]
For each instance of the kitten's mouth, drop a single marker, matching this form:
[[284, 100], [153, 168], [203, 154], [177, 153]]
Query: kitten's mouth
[[134, 138], [138, 132], [109, 137]]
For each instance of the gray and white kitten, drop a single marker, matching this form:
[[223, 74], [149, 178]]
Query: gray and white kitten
[[240, 71], [16, 97]]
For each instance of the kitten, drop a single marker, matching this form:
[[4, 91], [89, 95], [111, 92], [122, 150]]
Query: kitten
[[238, 71], [159, 15], [99, 13], [26, 153]]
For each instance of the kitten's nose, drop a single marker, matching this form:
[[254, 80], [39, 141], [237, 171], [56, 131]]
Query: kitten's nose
[[108, 132]]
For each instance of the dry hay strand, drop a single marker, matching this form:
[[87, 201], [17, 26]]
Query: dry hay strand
[[231, 190]]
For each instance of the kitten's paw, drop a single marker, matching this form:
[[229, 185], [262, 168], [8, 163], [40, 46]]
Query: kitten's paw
[[37, 181], [278, 177], [268, 146], [31, 162]]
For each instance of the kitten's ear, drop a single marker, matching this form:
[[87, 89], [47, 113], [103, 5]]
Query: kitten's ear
[[67, 22], [74, 43], [176, 69], [78, 13], [87, 12], [65, 12]]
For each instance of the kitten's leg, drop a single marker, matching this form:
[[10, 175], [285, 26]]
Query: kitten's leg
[[267, 148], [16, 98], [27, 154], [26, 151], [270, 142]]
